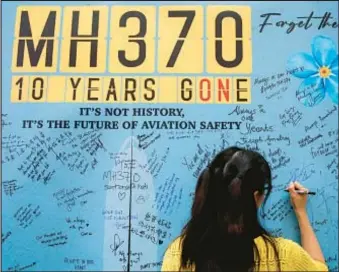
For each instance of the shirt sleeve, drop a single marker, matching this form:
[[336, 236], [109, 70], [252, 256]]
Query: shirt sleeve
[[172, 258], [301, 260]]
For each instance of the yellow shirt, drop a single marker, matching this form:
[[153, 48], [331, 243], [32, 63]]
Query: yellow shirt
[[292, 257]]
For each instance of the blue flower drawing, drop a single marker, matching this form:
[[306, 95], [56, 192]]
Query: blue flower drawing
[[319, 71]]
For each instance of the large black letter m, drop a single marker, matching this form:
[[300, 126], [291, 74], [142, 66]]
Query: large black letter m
[[26, 38]]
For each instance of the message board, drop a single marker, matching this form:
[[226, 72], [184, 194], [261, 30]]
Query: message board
[[110, 111]]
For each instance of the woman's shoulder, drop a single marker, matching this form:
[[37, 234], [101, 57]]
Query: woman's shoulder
[[172, 256], [291, 255], [176, 243], [283, 242], [174, 247], [284, 246], [287, 245]]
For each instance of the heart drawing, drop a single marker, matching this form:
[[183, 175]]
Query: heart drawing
[[121, 195]]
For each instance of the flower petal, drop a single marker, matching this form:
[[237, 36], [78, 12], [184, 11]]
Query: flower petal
[[302, 65], [324, 50], [334, 66], [311, 91], [332, 87]]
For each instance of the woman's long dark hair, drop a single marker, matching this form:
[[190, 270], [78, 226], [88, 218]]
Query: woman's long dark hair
[[224, 223]]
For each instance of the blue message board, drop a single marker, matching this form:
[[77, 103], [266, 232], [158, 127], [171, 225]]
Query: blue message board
[[110, 110]]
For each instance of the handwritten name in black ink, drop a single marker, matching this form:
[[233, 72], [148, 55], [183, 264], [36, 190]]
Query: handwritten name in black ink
[[146, 140], [251, 128], [116, 244]]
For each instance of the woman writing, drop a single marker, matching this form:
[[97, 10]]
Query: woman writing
[[224, 234]]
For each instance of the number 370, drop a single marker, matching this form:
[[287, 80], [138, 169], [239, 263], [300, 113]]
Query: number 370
[[184, 43]]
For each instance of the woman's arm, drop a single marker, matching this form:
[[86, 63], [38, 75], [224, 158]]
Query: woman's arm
[[308, 239]]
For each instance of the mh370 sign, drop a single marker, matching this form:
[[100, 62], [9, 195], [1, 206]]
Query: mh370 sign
[[132, 54]]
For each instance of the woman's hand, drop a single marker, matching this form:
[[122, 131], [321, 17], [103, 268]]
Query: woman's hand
[[308, 239], [298, 200]]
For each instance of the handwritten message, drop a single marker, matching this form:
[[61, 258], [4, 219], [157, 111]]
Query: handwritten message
[[13, 147], [27, 214], [72, 198], [168, 197], [10, 187], [53, 239]]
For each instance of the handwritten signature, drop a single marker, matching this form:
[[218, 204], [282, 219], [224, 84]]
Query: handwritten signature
[[116, 244], [303, 173]]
